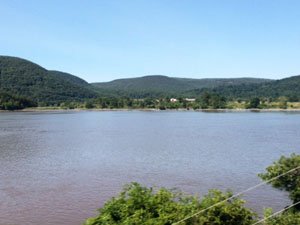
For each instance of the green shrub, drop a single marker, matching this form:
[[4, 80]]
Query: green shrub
[[138, 205]]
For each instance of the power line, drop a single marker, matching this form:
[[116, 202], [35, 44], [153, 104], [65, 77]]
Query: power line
[[238, 194], [274, 214]]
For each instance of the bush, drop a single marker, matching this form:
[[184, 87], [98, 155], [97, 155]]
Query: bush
[[289, 182], [138, 205]]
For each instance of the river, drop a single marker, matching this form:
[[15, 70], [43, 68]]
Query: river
[[59, 167]]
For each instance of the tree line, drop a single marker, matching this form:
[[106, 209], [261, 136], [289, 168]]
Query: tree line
[[205, 101]]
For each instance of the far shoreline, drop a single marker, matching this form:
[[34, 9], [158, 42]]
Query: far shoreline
[[48, 109]]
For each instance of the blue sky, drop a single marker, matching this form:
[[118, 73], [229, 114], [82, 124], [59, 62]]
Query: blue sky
[[103, 40]]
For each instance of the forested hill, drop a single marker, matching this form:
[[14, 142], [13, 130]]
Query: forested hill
[[159, 86], [289, 87], [25, 78], [70, 78]]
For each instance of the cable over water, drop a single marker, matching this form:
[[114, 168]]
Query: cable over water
[[236, 195]]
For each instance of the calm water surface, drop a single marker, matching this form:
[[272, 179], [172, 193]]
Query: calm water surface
[[59, 167]]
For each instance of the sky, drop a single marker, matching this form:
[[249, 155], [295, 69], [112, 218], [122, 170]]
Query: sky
[[103, 40]]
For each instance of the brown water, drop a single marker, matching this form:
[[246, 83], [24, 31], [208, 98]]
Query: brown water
[[59, 167]]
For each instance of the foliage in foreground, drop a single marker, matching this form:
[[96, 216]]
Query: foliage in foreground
[[290, 217], [141, 205], [289, 182]]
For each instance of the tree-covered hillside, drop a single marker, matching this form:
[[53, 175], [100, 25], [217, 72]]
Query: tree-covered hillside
[[160, 86], [25, 78], [9, 101], [289, 87], [70, 78]]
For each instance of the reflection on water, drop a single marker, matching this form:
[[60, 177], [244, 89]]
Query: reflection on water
[[59, 167]]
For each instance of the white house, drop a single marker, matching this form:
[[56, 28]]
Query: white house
[[190, 99]]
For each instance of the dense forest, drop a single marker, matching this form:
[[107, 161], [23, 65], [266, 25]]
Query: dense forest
[[157, 86], [70, 78], [25, 78], [161, 86], [142, 205], [9, 101], [288, 87]]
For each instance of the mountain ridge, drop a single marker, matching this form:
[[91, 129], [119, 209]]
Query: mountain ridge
[[160, 85], [25, 78]]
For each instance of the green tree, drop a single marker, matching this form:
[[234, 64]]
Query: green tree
[[149, 103], [204, 100], [167, 99], [216, 101], [138, 205], [184, 103], [162, 106], [10, 101], [289, 217], [254, 103], [89, 105], [180, 99], [283, 102], [289, 182], [113, 103], [211, 100], [129, 102]]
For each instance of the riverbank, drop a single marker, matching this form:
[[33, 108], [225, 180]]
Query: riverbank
[[50, 109]]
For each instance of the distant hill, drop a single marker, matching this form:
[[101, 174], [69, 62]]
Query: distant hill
[[288, 87], [25, 78], [159, 86]]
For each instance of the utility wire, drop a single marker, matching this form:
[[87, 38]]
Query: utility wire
[[238, 194], [274, 214]]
